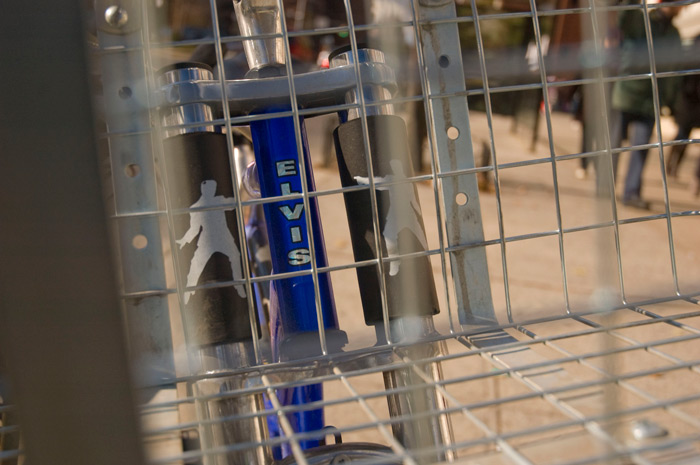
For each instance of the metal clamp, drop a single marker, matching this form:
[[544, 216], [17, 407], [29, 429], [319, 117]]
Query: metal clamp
[[316, 89]]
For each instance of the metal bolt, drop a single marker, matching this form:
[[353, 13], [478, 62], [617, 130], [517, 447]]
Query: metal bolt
[[116, 16], [647, 429], [338, 459]]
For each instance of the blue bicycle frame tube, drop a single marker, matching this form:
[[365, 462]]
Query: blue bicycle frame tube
[[279, 172], [293, 317], [301, 422], [294, 320]]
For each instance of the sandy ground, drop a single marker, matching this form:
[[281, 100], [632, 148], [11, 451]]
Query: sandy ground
[[544, 277], [528, 205]]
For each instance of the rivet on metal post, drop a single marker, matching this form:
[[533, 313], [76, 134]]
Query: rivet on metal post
[[116, 16]]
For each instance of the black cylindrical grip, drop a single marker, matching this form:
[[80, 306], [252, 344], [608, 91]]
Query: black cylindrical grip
[[409, 281], [207, 236]]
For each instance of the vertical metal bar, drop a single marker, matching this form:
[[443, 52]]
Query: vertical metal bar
[[657, 117], [552, 152], [423, 428], [127, 120], [370, 174], [508, 449], [284, 422], [433, 164], [604, 169], [157, 136], [594, 427], [496, 175], [60, 325], [304, 184], [394, 444], [445, 75], [236, 187]]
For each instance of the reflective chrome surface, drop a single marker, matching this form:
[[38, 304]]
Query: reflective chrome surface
[[423, 427], [406, 329], [183, 115], [364, 55], [260, 17], [315, 89], [229, 420], [116, 16], [226, 357], [371, 93]]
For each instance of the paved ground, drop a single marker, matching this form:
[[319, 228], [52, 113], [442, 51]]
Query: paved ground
[[536, 286], [529, 206]]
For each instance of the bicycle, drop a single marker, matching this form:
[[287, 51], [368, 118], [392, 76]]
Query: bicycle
[[280, 174]]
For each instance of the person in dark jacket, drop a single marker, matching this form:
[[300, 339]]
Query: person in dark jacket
[[633, 100], [687, 110]]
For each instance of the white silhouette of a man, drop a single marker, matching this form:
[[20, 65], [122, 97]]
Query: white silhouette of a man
[[401, 215], [214, 236]]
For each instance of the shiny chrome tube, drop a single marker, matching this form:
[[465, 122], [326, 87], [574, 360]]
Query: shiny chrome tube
[[256, 18], [217, 324], [231, 420], [177, 115], [371, 93], [422, 426], [409, 287]]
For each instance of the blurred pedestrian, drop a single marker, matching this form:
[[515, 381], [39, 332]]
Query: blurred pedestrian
[[686, 111], [633, 100], [586, 136]]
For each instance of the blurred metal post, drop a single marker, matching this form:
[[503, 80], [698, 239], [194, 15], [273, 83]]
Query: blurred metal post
[[60, 327], [449, 115]]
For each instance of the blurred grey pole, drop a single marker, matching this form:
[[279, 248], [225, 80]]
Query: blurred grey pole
[[61, 333]]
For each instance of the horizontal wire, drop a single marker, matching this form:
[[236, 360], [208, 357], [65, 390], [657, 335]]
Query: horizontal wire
[[675, 323], [155, 44], [393, 442], [607, 416], [657, 445], [664, 356], [285, 425], [412, 255], [373, 351], [635, 450], [558, 402], [460, 380], [505, 447], [344, 377], [449, 410]]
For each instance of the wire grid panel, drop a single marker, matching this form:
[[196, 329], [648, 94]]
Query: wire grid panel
[[565, 390], [568, 323]]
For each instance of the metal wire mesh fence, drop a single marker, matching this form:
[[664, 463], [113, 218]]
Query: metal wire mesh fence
[[463, 237]]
